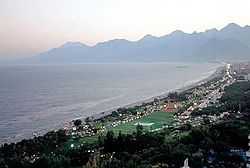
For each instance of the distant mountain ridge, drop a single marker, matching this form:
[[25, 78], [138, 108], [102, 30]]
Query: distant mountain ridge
[[228, 44]]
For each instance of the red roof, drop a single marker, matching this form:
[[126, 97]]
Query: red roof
[[170, 107]]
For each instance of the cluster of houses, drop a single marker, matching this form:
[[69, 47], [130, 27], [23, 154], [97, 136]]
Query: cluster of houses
[[243, 71], [204, 96], [83, 130]]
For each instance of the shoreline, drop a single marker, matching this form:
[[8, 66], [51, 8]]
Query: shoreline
[[197, 82]]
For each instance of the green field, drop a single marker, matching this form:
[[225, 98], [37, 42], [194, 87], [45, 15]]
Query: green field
[[153, 121]]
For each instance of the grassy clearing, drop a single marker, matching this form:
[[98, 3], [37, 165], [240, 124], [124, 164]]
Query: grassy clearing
[[153, 121], [159, 119]]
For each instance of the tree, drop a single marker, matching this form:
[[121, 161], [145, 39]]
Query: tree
[[173, 95], [109, 142], [120, 142], [139, 130], [114, 114], [78, 122], [206, 120], [88, 119]]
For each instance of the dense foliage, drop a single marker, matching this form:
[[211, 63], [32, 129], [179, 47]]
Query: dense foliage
[[237, 96]]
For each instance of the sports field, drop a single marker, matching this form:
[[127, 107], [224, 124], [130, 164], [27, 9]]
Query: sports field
[[151, 122]]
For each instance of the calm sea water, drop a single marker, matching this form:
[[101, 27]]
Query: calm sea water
[[43, 97]]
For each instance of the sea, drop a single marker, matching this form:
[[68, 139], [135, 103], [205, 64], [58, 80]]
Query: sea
[[40, 98]]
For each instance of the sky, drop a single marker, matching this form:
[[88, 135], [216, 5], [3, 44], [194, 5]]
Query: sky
[[28, 27]]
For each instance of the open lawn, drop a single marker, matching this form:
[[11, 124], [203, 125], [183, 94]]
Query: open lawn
[[151, 122]]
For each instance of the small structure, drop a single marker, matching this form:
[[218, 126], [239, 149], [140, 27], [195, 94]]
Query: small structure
[[186, 164]]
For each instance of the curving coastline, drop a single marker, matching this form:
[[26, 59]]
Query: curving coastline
[[213, 74]]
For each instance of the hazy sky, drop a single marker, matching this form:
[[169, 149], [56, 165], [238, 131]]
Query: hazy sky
[[32, 26]]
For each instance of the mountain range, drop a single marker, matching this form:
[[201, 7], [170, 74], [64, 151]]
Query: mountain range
[[231, 43]]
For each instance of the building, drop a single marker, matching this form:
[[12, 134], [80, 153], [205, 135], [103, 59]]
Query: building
[[248, 154], [170, 107], [242, 77]]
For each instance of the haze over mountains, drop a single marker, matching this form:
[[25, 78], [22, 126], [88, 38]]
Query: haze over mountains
[[231, 43]]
